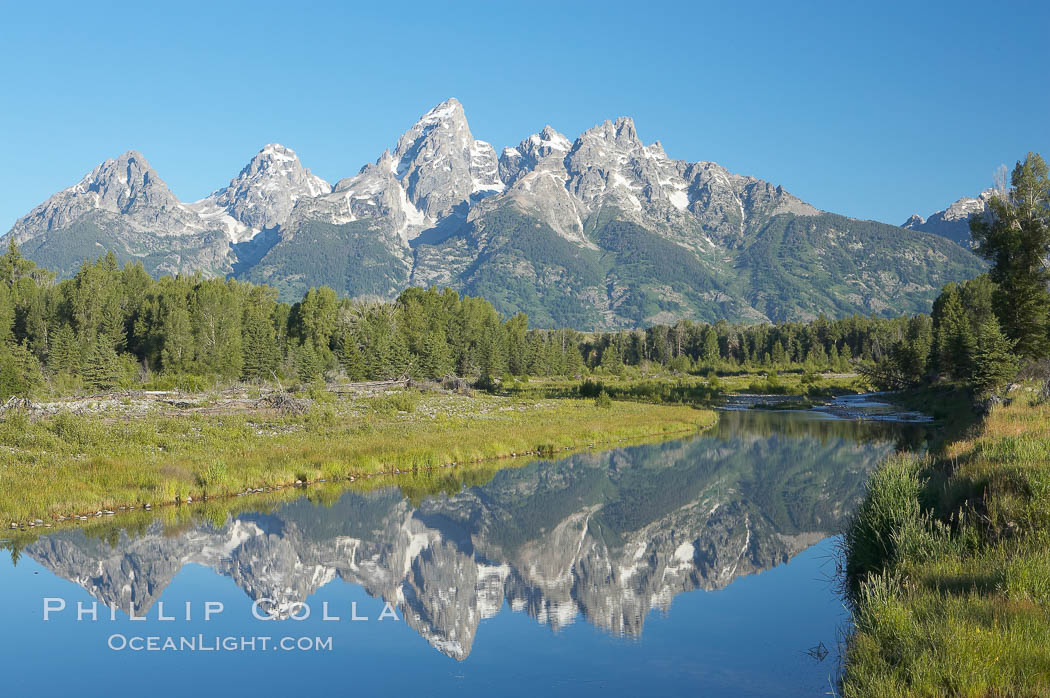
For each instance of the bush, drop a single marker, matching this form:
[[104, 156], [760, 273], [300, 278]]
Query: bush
[[771, 385], [591, 388], [603, 401], [318, 392], [214, 478], [401, 401], [487, 383], [193, 384], [77, 432]]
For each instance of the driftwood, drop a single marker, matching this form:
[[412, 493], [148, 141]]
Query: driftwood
[[284, 403], [457, 385], [16, 403]]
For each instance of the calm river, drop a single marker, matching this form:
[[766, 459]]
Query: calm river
[[701, 567]]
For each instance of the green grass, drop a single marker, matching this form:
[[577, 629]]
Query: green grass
[[948, 566], [65, 464], [690, 389]]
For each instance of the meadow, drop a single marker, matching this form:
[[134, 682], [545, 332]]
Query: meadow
[[948, 565], [116, 455]]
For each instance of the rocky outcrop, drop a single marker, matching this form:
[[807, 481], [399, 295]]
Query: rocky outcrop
[[954, 221]]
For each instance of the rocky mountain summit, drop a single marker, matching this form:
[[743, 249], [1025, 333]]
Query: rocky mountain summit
[[262, 195], [600, 231], [954, 221]]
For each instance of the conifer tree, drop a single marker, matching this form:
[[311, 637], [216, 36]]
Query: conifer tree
[[350, 357], [178, 350], [816, 356], [65, 353], [611, 360], [261, 352], [573, 360], [316, 319], [436, 359], [995, 362], [953, 338], [308, 364], [710, 353], [13, 266], [846, 357], [517, 349], [7, 314], [19, 371], [102, 368], [779, 355], [492, 355], [1015, 237]]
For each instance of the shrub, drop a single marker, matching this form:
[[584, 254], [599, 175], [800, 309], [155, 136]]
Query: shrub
[[401, 401], [76, 431], [318, 392], [591, 388], [487, 383], [192, 384], [889, 523]]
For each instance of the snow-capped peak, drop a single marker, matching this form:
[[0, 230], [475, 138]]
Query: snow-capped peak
[[263, 194], [276, 151], [449, 109]]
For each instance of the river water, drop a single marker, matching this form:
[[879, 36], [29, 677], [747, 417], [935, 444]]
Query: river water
[[703, 566]]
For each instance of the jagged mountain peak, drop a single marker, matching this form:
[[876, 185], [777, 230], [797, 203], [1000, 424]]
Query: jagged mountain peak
[[275, 157], [262, 195], [447, 122], [441, 165], [656, 150], [515, 162], [954, 221], [125, 186], [546, 141], [277, 151], [449, 110], [121, 178], [620, 132]]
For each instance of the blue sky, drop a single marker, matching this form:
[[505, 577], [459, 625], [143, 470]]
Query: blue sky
[[874, 110]]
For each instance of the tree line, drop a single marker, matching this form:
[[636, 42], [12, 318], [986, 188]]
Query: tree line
[[109, 327], [112, 327]]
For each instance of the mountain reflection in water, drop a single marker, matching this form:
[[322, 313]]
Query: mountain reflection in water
[[603, 536]]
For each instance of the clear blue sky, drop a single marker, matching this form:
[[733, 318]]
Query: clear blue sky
[[874, 110]]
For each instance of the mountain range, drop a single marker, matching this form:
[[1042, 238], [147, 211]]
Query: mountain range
[[599, 232], [954, 221]]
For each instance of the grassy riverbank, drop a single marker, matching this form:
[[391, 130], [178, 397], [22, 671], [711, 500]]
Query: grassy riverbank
[[692, 389], [948, 561], [123, 453]]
